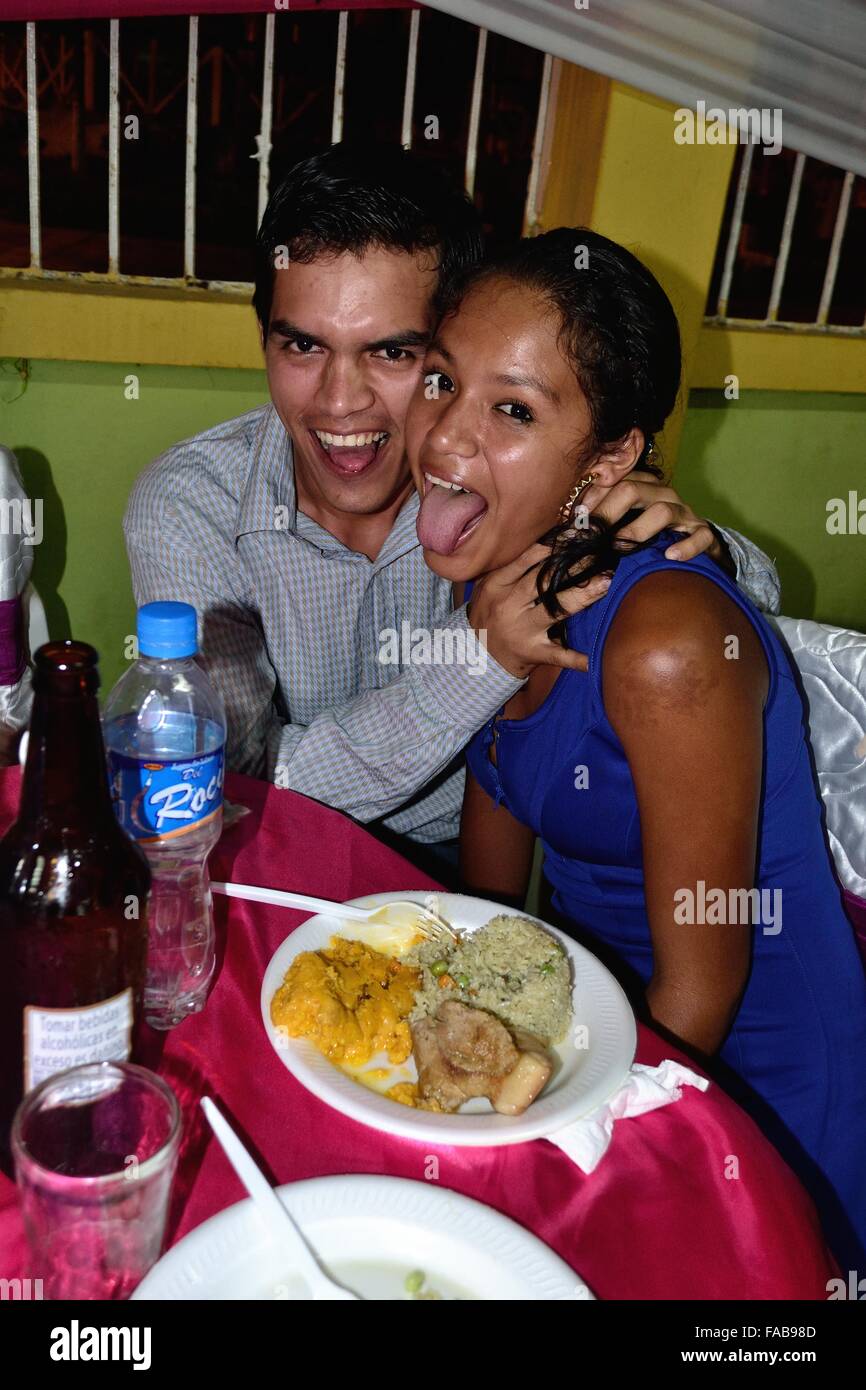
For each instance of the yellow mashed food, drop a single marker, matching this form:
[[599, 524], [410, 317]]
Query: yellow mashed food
[[405, 1093], [350, 1001]]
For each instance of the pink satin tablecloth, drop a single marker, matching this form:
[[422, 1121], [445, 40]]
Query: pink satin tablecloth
[[690, 1201]]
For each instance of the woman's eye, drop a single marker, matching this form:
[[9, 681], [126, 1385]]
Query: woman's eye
[[517, 411], [435, 383]]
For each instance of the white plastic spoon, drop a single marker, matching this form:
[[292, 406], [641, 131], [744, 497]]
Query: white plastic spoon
[[274, 1214]]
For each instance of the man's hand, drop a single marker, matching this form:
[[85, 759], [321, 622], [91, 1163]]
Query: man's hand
[[505, 602], [505, 605], [662, 509]]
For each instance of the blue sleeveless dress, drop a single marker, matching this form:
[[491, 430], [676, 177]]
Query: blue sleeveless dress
[[795, 1057]]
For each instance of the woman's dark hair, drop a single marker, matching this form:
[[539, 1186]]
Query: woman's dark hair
[[352, 197], [620, 334]]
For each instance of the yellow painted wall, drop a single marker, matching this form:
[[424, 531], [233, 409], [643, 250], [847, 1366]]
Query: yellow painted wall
[[81, 320], [779, 359]]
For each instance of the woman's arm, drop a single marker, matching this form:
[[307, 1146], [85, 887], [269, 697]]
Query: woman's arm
[[685, 681], [495, 849]]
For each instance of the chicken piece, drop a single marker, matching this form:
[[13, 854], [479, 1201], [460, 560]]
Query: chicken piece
[[474, 1040], [465, 1052], [438, 1083]]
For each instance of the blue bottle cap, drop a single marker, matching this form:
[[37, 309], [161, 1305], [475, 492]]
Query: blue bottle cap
[[167, 630]]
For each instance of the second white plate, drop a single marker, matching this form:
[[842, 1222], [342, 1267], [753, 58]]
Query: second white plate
[[370, 1232]]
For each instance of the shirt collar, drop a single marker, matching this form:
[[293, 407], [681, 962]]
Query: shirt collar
[[403, 536], [269, 500]]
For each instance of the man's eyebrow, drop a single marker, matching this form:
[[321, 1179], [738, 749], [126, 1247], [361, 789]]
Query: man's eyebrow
[[291, 330], [534, 383], [404, 337], [407, 337]]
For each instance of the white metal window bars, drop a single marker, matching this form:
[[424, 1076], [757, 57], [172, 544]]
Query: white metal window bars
[[114, 274], [263, 141], [772, 321]]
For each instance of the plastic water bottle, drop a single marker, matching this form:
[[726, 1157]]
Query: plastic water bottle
[[165, 734]]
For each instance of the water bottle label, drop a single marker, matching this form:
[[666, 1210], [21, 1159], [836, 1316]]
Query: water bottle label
[[55, 1039], [160, 800]]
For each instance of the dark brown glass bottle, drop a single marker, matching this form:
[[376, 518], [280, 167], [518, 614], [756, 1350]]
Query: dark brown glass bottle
[[73, 895]]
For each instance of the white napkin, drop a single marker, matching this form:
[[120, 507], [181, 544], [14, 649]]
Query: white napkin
[[645, 1088]]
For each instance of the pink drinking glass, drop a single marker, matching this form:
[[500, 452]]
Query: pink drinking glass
[[95, 1152]]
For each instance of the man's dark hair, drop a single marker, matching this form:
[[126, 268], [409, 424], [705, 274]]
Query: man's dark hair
[[354, 197]]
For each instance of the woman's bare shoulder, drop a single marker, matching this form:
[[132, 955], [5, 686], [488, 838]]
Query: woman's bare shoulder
[[676, 636]]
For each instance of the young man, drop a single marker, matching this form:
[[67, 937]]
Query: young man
[[292, 528]]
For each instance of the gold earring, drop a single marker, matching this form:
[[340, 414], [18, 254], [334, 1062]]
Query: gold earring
[[566, 511]]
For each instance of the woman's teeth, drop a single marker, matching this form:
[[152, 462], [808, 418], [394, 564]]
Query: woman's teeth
[[349, 441], [440, 482]]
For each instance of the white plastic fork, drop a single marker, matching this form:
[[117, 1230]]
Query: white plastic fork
[[276, 1219], [398, 913]]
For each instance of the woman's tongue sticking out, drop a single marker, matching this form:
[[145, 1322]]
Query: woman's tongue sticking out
[[445, 516]]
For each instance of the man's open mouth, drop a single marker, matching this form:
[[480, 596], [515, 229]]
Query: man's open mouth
[[350, 454], [449, 513]]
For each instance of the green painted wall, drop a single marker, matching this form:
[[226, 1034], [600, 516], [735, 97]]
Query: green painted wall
[[766, 464], [81, 444]]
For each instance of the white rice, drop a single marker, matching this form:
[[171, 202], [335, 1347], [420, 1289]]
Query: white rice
[[510, 967]]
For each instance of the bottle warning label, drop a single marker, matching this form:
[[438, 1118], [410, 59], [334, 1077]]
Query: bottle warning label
[[55, 1039]]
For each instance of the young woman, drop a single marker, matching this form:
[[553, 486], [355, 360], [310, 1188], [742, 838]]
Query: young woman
[[671, 779]]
